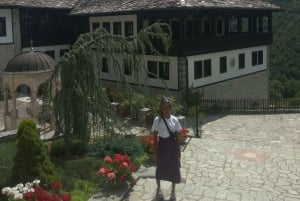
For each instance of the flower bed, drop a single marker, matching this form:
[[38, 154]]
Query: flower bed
[[33, 192], [117, 169]]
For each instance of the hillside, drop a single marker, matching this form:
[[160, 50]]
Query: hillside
[[285, 51]]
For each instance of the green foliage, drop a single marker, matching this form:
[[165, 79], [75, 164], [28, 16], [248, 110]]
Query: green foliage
[[119, 144], [7, 151], [29, 122], [31, 160], [285, 50], [154, 104], [77, 147], [80, 102], [83, 190]]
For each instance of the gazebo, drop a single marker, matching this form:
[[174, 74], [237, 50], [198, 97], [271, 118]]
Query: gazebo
[[31, 68]]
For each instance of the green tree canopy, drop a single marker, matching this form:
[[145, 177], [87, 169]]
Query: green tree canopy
[[77, 92]]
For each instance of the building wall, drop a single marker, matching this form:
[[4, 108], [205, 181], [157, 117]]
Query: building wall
[[251, 86], [11, 44]]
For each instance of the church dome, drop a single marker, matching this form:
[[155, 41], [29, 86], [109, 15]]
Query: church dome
[[30, 61]]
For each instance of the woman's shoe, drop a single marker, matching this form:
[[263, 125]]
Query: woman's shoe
[[172, 196], [159, 196]]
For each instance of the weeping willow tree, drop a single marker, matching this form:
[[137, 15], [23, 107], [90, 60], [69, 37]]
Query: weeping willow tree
[[76, 91]]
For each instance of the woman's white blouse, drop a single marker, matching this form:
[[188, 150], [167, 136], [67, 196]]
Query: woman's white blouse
[[159, 125]]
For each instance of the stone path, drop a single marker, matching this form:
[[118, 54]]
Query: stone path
[[238, 158]]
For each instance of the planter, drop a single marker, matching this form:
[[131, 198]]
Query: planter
[[123, 111], [149, 118]]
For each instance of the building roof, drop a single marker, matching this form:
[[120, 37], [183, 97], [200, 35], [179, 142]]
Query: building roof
[[86, 7], [83, 7], [57, 4], [30, 61]]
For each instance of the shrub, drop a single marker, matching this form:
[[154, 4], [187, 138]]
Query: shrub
[[31, 160], [78, 147], [28, 122], [119, 144]]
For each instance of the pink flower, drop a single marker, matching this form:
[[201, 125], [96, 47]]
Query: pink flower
[[125, 164], [102, 171], [108, 159], [111, 175]]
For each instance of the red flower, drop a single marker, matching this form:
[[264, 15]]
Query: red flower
[[66, 197], [118, 169], [56, 185], [28, 195]]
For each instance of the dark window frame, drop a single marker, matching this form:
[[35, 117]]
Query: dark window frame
[[223, 64], [117, 26], [128, 26], [242, 63], [95, 25], [152, 69], [104, 67], [3, 31], [164, 70], [106, 25]]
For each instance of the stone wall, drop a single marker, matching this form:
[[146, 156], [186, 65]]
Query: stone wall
[[250, 86]]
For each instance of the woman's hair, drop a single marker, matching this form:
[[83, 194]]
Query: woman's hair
[[163, 101]]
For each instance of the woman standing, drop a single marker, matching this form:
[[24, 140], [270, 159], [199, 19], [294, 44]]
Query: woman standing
[[167, 148]]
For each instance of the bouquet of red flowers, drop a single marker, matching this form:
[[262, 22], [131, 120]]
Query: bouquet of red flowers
[[148, 143], [117, 169]]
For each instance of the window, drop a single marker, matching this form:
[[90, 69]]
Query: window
[[206, 26], [62, 52], [175, 29], [164, 70], [241, 61], [223, 64], [106, 25], [95, 25], [207, 68], [152, 69], [104, 67], [159, 70], [128, 29], [220, 27], [117, 28], [233, 24], [51, 53], [245, 24], [265, 21], [189, 28], [256, 24], [257, 58], [6, 33], [2, 26], [202, 69], [127, 68]]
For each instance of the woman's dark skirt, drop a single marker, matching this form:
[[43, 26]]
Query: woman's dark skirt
[[168, 162]]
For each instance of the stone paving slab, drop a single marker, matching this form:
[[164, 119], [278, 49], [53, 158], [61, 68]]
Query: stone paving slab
[[238, 158]]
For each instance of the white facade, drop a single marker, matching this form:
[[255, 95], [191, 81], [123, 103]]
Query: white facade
[[7, 16], [233, 70]]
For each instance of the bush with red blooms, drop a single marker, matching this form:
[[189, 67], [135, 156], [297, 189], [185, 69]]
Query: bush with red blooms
[[40, 194], [148, 143], [33, 192], [182, 134], [117, 169]]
